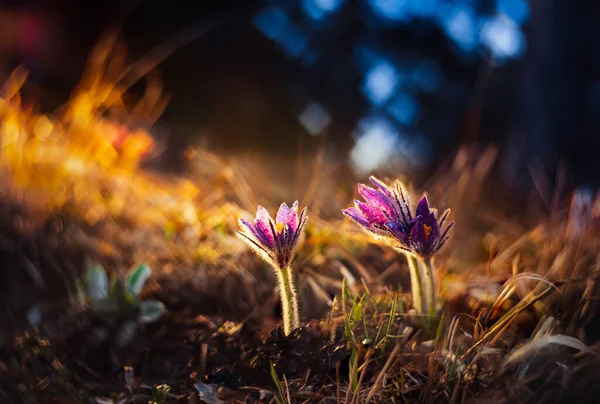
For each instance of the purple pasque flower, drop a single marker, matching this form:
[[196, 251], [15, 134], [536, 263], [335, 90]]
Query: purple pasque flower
[[274, 240], [386, 213]]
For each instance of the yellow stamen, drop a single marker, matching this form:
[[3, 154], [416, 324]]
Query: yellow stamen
[[279, 227], [427, 230]]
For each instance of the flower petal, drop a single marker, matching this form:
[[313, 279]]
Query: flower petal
[[417, 237], [398, 230], [282, 213], [249, 227], [262, 226], [262, 214], [251, 231], [382, 187], [256, 247], [302, 219], [423, 208], [376, 198], [292, 218], [357, 216], [372, 213]]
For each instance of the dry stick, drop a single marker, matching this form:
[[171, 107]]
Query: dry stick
[[386, 367], [520, 307]]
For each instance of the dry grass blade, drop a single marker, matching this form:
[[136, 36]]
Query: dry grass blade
[[386, 367], [510, 287], [530, 276], [535, 345], [508, 317]]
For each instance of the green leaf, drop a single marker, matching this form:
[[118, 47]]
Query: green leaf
[[348, 331], [281, 398], [150, 311], [136, 278], [96, 283], [353, 370], [346, 294]]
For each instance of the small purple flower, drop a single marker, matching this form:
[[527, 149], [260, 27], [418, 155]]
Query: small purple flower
[[386, 213], [274, 240]]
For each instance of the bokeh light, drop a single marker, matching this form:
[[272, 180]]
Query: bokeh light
[[503, 37], [314, 119], [380, 82], [320, 9], [377, 142]]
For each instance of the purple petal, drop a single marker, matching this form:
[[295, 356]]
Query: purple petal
[[417, 234], [425, 237], [382, 187], [258, 235], [262, 214], [376, 198], [428, 216], [248, 225], [295, 236], [372, 213], [262, 226], [292, 218], [398, 230], [423, 208], [356, 215], [282, 213]]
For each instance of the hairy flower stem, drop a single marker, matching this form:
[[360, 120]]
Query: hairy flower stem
[[289, 301], [429, 282], [415, 283]]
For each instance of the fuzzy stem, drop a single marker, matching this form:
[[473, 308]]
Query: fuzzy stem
[[429, 281], [415, 283], [289, 301]]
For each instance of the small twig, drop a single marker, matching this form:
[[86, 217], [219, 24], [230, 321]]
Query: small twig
[[386, 367]]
